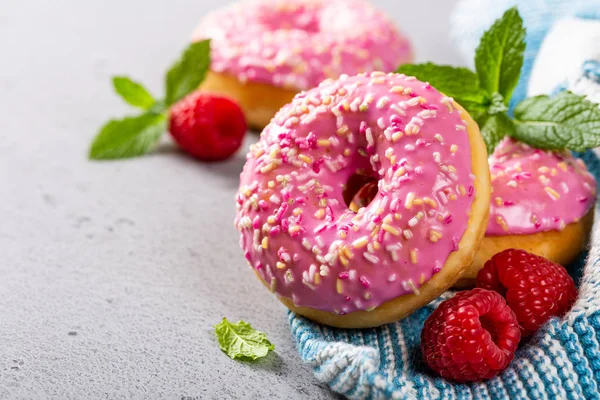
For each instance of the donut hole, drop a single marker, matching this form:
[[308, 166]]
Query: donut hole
[[359, 191]]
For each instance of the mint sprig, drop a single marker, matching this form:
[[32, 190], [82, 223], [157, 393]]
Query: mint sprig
[[563, 121], [134, 136], [242, 342]]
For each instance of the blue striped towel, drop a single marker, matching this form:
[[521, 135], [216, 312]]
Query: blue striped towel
[[562, 361]]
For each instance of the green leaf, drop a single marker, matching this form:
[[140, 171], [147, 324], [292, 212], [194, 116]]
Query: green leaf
[[499, 57], [493, 129], [133, 93], [188, 72], [565, 121], [459, 83], [497, 105], [128, 137], [241, 341]]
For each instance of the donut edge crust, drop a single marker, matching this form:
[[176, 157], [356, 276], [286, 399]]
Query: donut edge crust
[[259, 101], [562, 247], [455, 266]]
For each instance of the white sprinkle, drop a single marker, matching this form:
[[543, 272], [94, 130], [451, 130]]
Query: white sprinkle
[[460, 127], [324, 270], [437, 157], [371, 258], [382, 102], [381, 123], [413, 221], [274, 199], [369, 134], [319, 241], [392, 278], [312, 270], [407, 234], [352, 274], [398, 110]]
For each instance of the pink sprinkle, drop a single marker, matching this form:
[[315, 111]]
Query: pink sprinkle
[[436, 269], [455, 243], [377, 219], [311, 138], [297, 233], [317, 165], [343, 275], [299, 219], [256, 223], [403, 162], [347, 298], [285, 225], [471, 191], [282, 209], [263, 204], [582, 199], [365, 282], [395, 167], [538, 224], [274, 231], [321, 228], [296, 257], [247, 255], [300, 200], [329, 214], [556, 219], [344, 228], [509, 202], [363, 127], [448, 218], [370, 150], [395, 120], [380, 235], [259, 266], [286, 196], [413, 94]]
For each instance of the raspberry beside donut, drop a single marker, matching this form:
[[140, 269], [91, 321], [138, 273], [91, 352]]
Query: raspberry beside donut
[[542, 202], [265, 51], [415, 238]]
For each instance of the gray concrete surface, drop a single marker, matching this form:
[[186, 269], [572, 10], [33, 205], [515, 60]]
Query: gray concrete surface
[[113, 274]]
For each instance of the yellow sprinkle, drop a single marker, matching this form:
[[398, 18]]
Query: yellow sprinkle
[[543, 170], [274, 152], [342, 234], [434, 235], [397, 216], [376, 245], [502, 223], [343, 130], [247, 192], [562, 165], [499, 201], [453, 197], [430, 202], [265, 242], [347, 152], [399, 172], [552, 193], [344, 261], [268, 168], [414, 257], [409, 200], [320, 213], [396, 136], [390, 229], [349, 254], [297, 211], [317, 279], [397, 89], [295, 229], [422, 279], [461, 190], [418, 202], [280, 265], [259, 152], [305, 158], [553, 172], [453, 148], [339, 286], [323, 142], [361, 242], [271, 220]]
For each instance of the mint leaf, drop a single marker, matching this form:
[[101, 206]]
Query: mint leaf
[[459, 83], [499, 57], [188, 73], [565, 121], [133, 93], [128, 137], [497, 105], [493, 129], [241, 341]]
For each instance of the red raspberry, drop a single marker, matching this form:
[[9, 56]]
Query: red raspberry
[[470, 337], [535, 288], [209, 127]]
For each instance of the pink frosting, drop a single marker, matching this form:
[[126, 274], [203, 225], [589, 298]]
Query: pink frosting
[[297, 232], [298, 44], [536, 190]]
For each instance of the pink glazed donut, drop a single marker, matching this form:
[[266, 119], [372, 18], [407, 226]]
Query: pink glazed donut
[[266, 51], [418, 234], [542, 202]]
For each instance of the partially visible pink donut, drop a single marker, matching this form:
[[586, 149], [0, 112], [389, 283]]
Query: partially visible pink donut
[[414, 239], [289, 46], [542, 202]]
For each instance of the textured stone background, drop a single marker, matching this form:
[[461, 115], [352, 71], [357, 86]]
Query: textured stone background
[[113, 274]]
